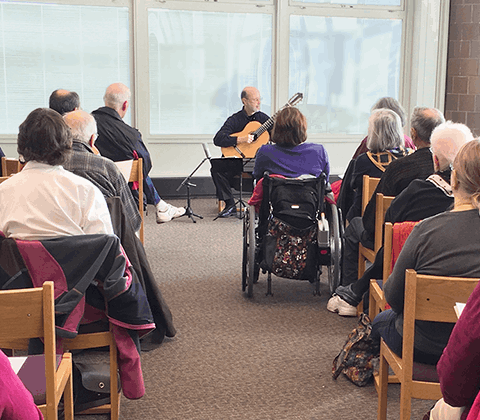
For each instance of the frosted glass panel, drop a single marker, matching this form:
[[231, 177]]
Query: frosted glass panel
[[343, 65], [47, 47], [200, 62], [356, 2]]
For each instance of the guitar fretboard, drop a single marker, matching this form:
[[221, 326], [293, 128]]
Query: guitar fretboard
[[264, 127]]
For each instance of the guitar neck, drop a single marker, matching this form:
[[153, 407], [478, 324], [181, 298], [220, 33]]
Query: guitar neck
[[264, 127], [269, 123]]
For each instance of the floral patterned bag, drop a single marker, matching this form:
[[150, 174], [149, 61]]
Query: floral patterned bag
[[289, 251], [359, 356]]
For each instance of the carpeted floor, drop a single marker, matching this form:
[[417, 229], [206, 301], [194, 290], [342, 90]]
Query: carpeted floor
[[238, 358]]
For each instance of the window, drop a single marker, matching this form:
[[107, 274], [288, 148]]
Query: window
[[199, 63], [46, 47], [343, 65]]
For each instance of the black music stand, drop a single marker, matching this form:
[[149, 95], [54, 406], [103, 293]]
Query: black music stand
[[234, 167], [188, 210]]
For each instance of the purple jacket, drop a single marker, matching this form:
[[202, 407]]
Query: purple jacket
[[291, 162]]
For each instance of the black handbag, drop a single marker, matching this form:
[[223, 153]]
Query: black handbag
[[91, 385]]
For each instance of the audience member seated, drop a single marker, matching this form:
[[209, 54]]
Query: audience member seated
[[118, 141], [447, 244], [16, 402], [101, 171], [397, 177], [44, 200], [421, 199], [126, 219], [385, 144], [346, 193], [290, 155], [389, 103], [64, 101]]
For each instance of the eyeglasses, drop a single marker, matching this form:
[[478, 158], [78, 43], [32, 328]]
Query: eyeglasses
[[255, 99]]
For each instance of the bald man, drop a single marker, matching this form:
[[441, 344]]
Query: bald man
[[99, 170], [251, 101], [118, 141], [63, 101]]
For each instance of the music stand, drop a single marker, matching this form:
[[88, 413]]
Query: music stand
[[231, 166], [188, 210]]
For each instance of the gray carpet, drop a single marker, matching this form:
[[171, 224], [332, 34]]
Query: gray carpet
[[239, 358]]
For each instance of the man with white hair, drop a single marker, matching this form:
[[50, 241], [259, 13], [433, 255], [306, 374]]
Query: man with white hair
[[99, 170], [118, 141], [421, 199]]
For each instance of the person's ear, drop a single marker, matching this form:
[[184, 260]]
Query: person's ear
[[413, 133], [92, 139], [436, 163], [125, 106], [454, 180]]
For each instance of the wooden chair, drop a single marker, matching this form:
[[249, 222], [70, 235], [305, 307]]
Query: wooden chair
[[377, 297], [136, 174], [377, 301], [366, 254], [29, 313], [3, 178], [95, 340], [427, 298], [10, 166]]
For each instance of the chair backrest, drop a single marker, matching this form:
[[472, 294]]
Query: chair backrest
[[433, 298], [10, 166], [136, 175], [3, 178], [387, 250], [369, 185], [382, 204], [394, 238], [430, 298], [30, 313]]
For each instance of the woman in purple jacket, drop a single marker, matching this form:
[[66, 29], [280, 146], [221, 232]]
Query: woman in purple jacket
[[290, 155]]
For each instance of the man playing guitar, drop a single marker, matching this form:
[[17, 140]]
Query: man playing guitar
[[226, 138]]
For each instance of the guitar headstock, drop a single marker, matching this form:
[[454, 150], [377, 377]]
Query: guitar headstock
[[295, 99]]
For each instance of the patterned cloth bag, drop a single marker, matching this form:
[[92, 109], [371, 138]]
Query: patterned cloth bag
[[290, 252], [359, 357]]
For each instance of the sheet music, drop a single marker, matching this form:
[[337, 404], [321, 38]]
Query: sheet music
[[17, 362], [125, 167], [459, 308]]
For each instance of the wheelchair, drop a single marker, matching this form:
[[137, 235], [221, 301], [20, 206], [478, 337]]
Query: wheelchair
[[298, 230]]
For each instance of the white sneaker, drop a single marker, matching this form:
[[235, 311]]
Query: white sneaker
[[169, 213], [337, 304]]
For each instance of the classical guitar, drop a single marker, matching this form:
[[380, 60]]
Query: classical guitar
[[259, 132]]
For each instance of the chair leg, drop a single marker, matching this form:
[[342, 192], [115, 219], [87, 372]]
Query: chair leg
[[405, 400], [382, 389], [68, 398]]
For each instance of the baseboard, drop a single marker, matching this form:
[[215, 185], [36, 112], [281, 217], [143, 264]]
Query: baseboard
[[203, 187]]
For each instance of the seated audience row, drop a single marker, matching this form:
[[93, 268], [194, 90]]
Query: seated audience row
[[421, 199], [118, 141], [397, 176]]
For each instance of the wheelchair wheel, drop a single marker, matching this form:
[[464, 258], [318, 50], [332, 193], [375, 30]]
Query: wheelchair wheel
[[335, 267], [248, 257]]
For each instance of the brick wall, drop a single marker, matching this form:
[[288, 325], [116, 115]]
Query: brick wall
[[463, 67]]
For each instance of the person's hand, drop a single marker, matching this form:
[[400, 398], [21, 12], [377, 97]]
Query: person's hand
[[245, 139]]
